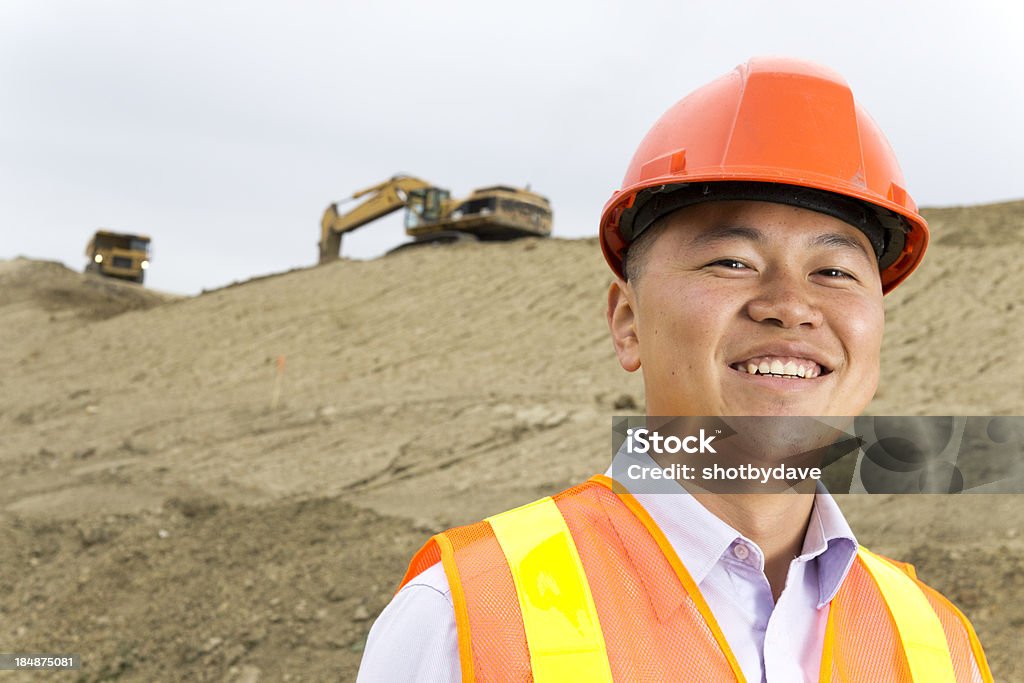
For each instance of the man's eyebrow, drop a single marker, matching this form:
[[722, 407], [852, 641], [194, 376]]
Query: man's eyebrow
[[726, 233], [837, 240], [830, 240]]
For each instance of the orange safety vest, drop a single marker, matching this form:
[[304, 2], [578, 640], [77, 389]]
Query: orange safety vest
[[583, 585]]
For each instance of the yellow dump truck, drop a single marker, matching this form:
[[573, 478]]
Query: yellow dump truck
[[491, 213], [118, 255]]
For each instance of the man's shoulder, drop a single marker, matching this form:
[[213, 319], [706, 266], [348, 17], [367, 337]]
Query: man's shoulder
[[415, 637], [938, 600], [432, 578]]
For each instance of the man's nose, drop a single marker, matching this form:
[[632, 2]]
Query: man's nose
[[783, 300]]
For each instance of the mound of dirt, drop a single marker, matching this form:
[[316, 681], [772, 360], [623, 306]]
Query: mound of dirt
[[51, 287], [228, 487], [966, 226]]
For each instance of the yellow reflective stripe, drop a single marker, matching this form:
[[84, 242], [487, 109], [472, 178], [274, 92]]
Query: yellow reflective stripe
[[924, 641], [559, 616]]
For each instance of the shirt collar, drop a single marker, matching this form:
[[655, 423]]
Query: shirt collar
[[830, 540], [700, 538]]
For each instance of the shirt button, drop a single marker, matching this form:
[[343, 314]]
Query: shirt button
[[741, 552]]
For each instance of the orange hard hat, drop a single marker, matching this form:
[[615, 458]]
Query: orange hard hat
[[775, 129]]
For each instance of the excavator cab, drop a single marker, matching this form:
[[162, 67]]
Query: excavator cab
[[424, 206]]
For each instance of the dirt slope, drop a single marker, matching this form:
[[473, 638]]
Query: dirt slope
[[166, 523]]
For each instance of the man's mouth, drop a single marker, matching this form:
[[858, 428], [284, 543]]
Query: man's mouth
[[781, 366]]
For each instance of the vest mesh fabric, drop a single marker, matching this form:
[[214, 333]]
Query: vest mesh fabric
[[653, 630], [500, 652], [858, 608]]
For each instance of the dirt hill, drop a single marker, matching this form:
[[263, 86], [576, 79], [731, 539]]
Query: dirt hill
[[228, 487]]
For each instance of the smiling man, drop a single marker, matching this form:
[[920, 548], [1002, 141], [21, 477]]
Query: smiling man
[[759, 224]]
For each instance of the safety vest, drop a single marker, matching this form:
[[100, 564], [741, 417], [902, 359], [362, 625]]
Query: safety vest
[[584, 586]]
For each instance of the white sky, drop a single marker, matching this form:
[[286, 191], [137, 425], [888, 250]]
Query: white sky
[[223, 129]]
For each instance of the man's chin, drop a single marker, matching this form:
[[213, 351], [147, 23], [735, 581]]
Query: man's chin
[[760, 406]]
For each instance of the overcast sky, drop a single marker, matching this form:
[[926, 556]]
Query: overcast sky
[[223, 129]]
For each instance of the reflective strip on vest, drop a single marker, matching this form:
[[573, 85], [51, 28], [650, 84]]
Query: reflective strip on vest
[[924, 641], [559, 617]]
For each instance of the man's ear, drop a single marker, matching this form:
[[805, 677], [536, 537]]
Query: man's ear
[[622, 324]]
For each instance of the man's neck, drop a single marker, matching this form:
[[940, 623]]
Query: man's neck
[[777, 523]]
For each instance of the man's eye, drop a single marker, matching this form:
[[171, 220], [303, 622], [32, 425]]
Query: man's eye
[[836, 273], [729, 263]]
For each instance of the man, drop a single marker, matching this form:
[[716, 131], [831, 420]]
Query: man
[[759, 224]]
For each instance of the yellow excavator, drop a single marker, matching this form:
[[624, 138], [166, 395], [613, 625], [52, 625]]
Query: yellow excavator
[[489, 213]]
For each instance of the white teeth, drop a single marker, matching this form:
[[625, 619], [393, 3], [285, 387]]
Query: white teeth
[[781, 368]]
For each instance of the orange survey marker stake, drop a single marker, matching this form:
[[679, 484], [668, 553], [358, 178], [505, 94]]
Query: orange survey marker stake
[[278, 381]]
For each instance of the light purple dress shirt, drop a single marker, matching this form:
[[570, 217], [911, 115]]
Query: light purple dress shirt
[[415, 637]]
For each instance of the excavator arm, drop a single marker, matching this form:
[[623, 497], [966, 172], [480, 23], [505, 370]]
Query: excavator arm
[[381, 199]]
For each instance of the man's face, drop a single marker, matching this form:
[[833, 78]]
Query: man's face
[[734, 294]]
